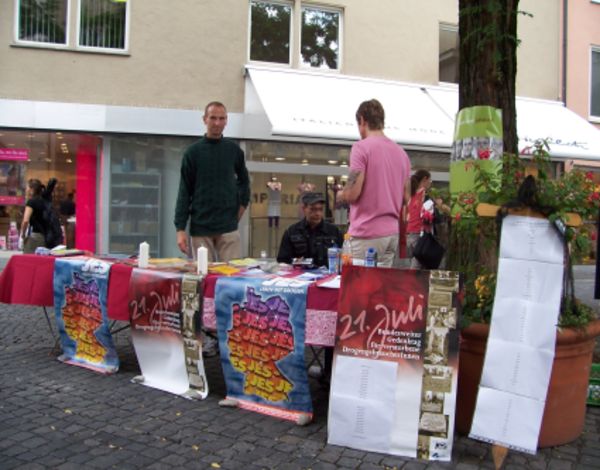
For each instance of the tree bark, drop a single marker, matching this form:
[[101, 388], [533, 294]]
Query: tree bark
[[488, 60]]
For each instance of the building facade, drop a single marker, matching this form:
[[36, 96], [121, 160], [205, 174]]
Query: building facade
[[106, 95], [581, 67]]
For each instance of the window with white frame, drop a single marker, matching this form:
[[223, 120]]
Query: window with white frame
[[272, 24], [595, 83], [270, 32], [101, 24], [42, 21], [448, 53], [320, 38]]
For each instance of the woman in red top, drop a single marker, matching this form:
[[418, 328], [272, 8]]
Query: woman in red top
[[420, 182]]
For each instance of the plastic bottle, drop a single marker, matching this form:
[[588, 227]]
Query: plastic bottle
[[333, 259], [347, 250], [371, 257], [13, 236]]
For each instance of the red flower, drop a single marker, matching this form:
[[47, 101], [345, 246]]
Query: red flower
[[457, 216], [589, 175], [484, 154]]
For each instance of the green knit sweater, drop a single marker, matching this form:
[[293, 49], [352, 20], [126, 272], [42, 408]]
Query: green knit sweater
[[214, 184]]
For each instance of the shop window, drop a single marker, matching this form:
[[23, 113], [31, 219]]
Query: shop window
[[270, 32], [42, 21], [102, 23], [320, 38], [448, 54], [595, 85], [144, 180]]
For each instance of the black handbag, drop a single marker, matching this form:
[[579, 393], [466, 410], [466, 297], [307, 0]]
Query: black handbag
[[429, 251]]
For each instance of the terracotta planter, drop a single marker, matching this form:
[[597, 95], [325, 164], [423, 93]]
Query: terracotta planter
[[564, 414]]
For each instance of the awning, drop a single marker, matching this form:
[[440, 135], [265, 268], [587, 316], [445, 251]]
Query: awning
[[322, 105], [313, 105]]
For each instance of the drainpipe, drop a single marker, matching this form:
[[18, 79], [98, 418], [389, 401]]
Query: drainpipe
[[564, 50]]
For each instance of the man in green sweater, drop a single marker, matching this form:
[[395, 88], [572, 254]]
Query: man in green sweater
[[214, 191]]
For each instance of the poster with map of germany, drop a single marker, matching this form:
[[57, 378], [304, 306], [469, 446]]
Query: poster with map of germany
[[261, 326]]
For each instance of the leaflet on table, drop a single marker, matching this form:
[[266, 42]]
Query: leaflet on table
[[164, 309], [396, 362], [331, 283], [80, 289], [520, 349], [261, 327]]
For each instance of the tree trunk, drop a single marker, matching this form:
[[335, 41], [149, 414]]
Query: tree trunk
[[488, 60]]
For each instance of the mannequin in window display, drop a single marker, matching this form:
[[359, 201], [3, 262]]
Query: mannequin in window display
[[340, 211], [274, 201]]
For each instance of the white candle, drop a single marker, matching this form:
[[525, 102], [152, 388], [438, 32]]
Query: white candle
[[144, 255], [202, 260]]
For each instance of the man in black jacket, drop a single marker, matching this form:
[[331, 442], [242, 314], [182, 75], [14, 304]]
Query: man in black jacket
[[312, 236]]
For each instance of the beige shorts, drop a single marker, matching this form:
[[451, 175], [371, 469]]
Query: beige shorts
[[386, 249]]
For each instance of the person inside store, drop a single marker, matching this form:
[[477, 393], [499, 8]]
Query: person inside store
[[33, 226], [67, 206], [378, 186], [214, 191], [312, 236]]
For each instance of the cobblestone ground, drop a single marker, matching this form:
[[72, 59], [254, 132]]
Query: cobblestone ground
[[63, 417]]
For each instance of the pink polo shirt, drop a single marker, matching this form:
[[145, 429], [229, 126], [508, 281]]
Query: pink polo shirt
[[386, 167]]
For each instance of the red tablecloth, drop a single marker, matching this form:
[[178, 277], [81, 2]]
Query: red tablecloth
[[28, 280]]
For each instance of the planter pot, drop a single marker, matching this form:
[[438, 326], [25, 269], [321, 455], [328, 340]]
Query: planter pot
[[564, 414]]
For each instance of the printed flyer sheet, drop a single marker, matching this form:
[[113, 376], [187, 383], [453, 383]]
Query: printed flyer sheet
[[520, 350], [396, 362], [164, 309], [80, 287], [261, 325]]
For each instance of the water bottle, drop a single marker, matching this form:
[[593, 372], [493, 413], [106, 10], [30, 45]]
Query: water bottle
[[13, 236], [347, 250], [371, 257], [333, 259]]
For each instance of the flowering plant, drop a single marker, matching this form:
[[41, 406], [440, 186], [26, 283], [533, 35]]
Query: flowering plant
[[526, 180]]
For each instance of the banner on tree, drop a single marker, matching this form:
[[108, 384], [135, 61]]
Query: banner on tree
[[164, 311], [80, 287], [396, 362], [261, 326], [477, 141]]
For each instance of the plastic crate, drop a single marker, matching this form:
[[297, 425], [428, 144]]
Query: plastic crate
[[594, 386]]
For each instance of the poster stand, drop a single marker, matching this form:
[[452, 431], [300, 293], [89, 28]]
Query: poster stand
[[499, 452]]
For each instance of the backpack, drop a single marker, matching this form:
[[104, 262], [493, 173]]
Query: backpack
[[53, 234]]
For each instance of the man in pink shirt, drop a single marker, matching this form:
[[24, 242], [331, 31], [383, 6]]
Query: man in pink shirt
[[378, 186]]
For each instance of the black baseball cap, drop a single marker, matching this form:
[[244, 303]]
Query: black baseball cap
[[312, 198]]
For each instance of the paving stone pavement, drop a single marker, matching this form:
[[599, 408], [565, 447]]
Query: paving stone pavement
[[63, 417]]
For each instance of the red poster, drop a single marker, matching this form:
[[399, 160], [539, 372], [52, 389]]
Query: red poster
[[396, 362]]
